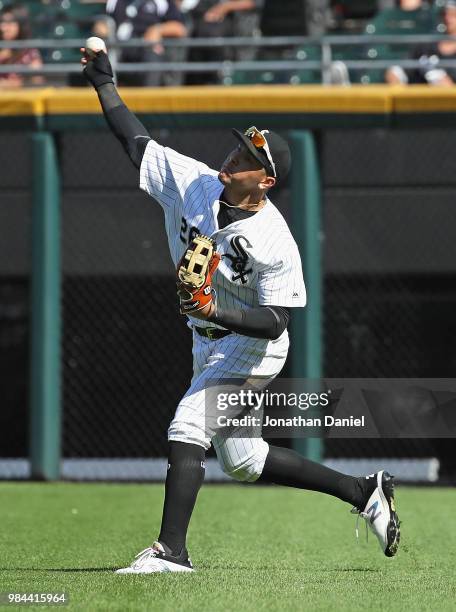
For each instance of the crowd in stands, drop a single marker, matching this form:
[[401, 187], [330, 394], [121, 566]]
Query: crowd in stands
[[15, 25], [157, 22]]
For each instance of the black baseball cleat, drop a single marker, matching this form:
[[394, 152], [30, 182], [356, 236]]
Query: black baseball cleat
[[155, 560], [379, 511]]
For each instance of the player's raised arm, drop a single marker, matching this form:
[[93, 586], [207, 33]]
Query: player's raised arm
[[164, 174], [123, 123]]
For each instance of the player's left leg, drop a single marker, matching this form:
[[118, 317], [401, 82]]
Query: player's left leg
[[371, 496], [252, 460]]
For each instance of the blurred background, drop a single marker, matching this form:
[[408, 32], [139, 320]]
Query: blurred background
[[386, 211]]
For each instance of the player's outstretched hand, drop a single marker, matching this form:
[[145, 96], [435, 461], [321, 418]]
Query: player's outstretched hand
[[97, 67], [194, 272]]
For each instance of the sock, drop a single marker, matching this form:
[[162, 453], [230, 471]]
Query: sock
[[183, 481], [286, 467]]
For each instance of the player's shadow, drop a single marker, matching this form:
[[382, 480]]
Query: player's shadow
[[59, 569], [82, 569], [352, 569]]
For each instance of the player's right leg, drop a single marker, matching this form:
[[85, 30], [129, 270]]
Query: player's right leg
[[216, 364], [188, 442]]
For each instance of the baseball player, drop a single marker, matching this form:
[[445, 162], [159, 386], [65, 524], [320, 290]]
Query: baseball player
[[251, 275]]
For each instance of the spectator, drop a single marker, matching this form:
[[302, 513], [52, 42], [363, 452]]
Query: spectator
[[429, 55], [14, 25], [152, 20], [212, 18], [317, 17], [410, 5], [219, 12], [285, 18]]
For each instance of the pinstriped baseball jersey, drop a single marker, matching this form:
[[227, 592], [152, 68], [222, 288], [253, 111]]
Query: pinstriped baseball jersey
[[260, 263]]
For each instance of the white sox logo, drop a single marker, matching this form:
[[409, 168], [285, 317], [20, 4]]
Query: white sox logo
[[239, 262]]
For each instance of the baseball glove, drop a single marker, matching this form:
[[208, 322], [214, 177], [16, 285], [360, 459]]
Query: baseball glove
[[194, 273]]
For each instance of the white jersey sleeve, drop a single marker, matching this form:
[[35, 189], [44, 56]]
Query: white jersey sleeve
[[164, 173], [282, 284]]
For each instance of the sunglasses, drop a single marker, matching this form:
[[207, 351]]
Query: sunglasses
[[258, 139]]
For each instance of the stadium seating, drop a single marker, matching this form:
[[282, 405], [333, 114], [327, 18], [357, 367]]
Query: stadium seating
[[285, 18], [294, 77], [393, 22], [62, 19]]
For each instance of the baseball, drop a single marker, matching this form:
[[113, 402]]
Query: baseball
[[93, 45]]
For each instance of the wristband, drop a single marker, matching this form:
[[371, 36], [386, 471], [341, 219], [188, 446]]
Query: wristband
[[99, 70]]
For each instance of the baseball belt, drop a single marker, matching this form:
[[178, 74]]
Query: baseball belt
[[212, 332]]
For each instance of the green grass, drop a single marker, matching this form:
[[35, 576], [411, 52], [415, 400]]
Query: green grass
[[254, 548]]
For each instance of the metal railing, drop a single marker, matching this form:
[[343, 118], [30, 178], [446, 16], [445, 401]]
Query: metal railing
[[226, 68]]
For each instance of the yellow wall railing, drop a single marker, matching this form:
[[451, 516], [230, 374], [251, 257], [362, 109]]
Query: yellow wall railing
[[377, 99]]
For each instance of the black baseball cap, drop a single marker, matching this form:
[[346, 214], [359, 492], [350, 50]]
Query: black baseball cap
[[278, 148]]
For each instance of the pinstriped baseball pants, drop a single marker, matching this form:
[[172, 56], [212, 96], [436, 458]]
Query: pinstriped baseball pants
[[241, 451]]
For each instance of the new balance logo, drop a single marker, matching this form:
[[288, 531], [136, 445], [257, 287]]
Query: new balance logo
[[374, 516]]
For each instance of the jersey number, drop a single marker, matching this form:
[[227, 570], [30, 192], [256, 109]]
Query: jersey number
[[194, 231]]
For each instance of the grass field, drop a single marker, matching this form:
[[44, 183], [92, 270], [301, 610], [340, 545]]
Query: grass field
[[255, 549]]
